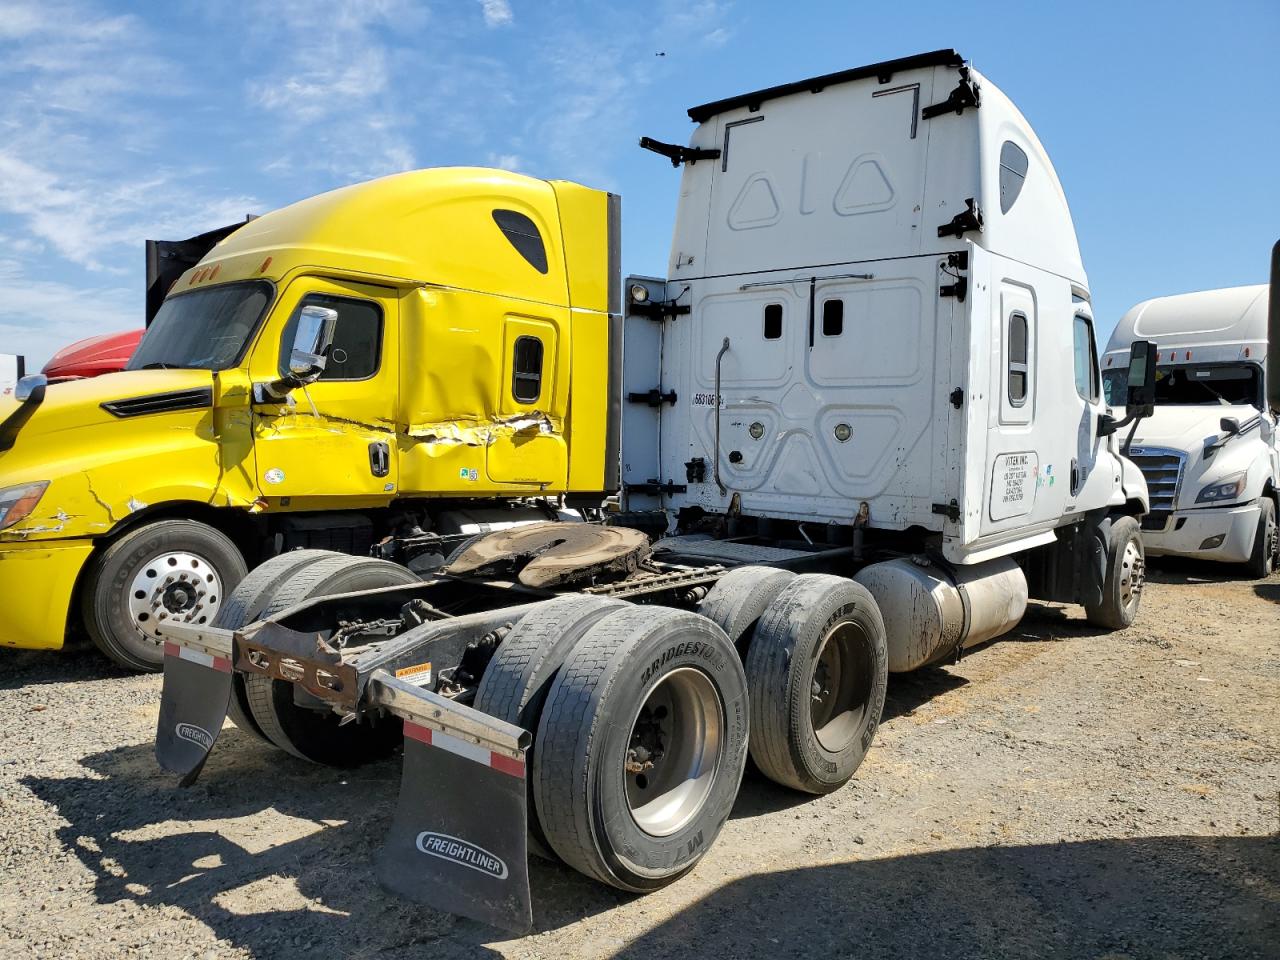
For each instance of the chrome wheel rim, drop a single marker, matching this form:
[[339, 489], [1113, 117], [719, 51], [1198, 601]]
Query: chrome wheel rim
[[674, 750], [1132, 575], [179, 586], [840, 688]]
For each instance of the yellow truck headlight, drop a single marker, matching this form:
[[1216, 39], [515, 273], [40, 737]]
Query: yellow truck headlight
[[16, 503]]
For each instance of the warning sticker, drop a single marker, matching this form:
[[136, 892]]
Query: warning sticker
[[1013, 485], [419, 674]]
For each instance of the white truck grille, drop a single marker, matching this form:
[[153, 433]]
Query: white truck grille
[[1163, 470]]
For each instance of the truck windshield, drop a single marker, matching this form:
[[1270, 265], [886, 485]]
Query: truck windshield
[[1208, 384], [205, 329]]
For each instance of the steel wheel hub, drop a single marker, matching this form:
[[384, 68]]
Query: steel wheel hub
[[674, 751], [1132, 574], [174, 586], [841, 687]]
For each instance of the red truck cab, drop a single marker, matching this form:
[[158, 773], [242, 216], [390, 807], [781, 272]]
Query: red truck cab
[[105, 353]]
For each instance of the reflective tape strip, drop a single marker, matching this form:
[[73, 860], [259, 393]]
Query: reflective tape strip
[[195, 656], [472, 751]]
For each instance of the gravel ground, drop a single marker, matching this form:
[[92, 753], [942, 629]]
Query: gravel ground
[[1058, 793]]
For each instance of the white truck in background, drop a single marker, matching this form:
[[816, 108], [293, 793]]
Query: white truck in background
[[12, 369], [1211, 450]]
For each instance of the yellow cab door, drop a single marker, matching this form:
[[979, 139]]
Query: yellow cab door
[[333, 443]]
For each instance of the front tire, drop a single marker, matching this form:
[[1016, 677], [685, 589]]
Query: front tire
[[1266, 542], [177, 570], [1124, 577]]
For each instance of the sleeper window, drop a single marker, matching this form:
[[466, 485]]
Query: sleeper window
[[526, 366], [1013, 173], [773, 321], [1085, 359], [832, 318], [1018, 371], [524, 236], [357, 337]]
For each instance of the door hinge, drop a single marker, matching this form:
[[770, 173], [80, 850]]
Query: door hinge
[[950, 510], [654, 397], [379, 458], [957, 398], [658, 309], [957, 260], [966, 94], [968, 219], [678, 154], [654, 488]]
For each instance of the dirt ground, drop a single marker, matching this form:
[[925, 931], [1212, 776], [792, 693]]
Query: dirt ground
[[1058, 793]]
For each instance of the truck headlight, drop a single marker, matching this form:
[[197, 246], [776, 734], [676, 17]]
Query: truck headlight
[[16, 503], [1229, 489]]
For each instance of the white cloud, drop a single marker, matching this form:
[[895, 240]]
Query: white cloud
[[332, 95], [81, 183], [504, 161], [40, 317], [497, 13]]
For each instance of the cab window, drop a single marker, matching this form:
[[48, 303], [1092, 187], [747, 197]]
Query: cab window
[[1085, 359], [357, 337]]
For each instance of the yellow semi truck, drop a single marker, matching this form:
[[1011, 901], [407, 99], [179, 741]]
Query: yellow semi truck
[[425, 354]]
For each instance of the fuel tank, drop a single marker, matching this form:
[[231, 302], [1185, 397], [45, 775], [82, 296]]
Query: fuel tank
[[932, 611]]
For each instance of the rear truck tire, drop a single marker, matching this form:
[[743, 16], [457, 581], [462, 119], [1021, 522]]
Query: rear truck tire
[[1266, 542], [315, 734], [1124, 577], [516, 682], [740, 597], [243, 606], [641, 747], [817, 669], [179, 569]]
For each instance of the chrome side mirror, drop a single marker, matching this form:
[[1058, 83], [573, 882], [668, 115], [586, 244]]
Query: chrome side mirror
[[312, 339], [311, 342], [30, 389]]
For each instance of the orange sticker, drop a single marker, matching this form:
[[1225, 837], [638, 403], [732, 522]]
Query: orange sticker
[[420, 673]]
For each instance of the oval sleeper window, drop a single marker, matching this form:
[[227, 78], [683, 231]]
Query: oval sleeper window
[[524, 236], [1013, 173]]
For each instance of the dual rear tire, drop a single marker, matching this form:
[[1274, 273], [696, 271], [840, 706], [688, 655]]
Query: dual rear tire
[[266, 707]]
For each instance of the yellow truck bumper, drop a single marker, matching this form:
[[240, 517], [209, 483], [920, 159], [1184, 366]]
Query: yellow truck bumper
[[36, 583]]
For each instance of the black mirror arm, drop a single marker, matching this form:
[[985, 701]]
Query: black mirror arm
[[1107, 425]]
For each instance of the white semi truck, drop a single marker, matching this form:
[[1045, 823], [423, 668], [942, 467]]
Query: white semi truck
[[12, 369], [862, 422], [1211, 450]]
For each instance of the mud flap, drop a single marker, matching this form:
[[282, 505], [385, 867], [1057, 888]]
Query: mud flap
[[193, 704], [458, 840]]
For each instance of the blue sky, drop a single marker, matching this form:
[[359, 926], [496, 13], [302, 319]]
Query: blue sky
[[123, 121]]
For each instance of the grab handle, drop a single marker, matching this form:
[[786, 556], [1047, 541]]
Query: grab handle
[[724, 348]]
